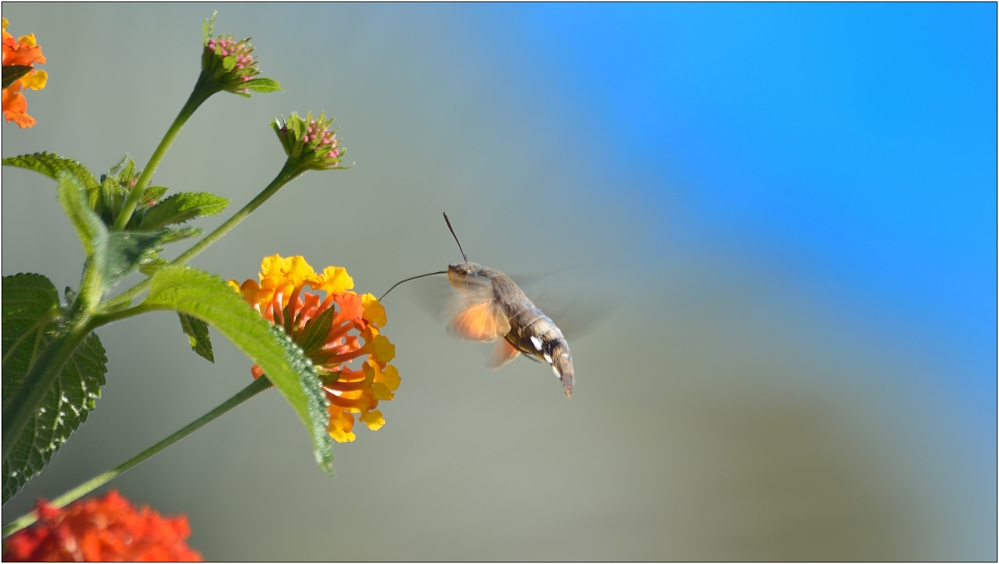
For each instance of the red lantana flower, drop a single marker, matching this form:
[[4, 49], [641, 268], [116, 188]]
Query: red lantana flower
[[101, 530]]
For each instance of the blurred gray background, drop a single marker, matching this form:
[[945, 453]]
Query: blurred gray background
[[730, 407]]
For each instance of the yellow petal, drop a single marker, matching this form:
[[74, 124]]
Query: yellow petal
[[381, 392], [374, 312], [373, 419], [389, 376], [28, 40], [340, 426], [335, 280], [381, 348], [294, 270], [341, 437], [35, 80], [270, 267], [299, 270]]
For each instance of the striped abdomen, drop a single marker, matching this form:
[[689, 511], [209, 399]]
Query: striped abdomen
[[531, 331]]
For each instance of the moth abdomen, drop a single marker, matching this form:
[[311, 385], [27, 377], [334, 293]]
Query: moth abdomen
[[561, 362], [535, 334]]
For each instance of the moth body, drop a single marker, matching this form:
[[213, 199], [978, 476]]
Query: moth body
[[494, 307]]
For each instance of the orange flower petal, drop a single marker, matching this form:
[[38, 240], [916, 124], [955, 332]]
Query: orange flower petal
[[22, 54], [15, 107]]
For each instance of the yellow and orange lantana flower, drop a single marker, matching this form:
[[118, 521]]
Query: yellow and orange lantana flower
[[22, 52], [353, 335]]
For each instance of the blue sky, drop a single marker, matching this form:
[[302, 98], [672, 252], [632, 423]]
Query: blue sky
[[856, 140]]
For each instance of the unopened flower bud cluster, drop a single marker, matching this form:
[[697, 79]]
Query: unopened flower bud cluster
[[310, 140]]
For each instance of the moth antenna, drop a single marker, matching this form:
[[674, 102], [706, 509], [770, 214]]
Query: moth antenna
[[455, 237], [407, 280]]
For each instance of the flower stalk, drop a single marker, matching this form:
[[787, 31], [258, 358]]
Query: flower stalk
[[83, 489], [309, 144], [226, 65], [198, 96]]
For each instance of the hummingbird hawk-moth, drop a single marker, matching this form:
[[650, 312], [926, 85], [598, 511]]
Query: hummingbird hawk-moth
[[492, 307]]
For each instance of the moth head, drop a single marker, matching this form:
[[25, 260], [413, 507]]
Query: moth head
[[461, 274]]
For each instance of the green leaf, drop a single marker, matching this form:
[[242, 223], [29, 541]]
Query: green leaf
[[182, 207], [116, 186], [89, 227], [127, 250], [149, 266], [208, 27], [51, 164], [197, 333], [171, 235], [114, 170], [128, 172], [208, 298], [262, 85], [31, 317], [12, 73], [316, 330], [151, 194], [113, 255]]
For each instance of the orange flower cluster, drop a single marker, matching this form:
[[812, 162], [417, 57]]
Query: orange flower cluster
[[101, 530], [333, 331], [21, 53]]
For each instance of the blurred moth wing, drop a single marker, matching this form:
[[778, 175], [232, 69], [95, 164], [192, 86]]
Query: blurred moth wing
[[483, 322], [504, 353]]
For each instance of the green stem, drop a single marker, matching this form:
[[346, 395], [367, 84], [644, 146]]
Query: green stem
[[102, 319], [196, 99], [257, 386], [287, 174]]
